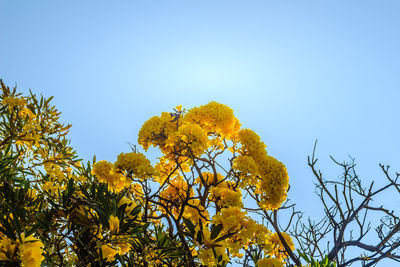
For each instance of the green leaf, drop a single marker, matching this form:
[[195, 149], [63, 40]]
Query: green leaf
[[136, 210], [200, 237], [215, 231], [190, 226], [225, 237], [305, 257]]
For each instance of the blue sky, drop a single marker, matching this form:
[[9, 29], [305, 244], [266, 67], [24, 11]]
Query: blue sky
[[293, 71]]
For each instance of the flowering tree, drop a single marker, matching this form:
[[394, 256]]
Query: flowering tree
[[192, 207], [213, 197]]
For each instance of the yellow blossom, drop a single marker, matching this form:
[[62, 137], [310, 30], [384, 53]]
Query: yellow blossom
[[30, 252], [156, 130], [104, 172], [52, 188], [113, 221], [189, 139], [278, 250], [274, 183], [214, 117], [252, 144], [137, 163], [225, 196], [231, 218], [269, 262], [108, 252], [179, 108], [196, 212], [7, 249], [12, 102]]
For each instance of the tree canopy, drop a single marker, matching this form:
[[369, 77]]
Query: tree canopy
[[212, 198]]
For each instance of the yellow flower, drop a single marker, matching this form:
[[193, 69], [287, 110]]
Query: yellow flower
[[102, 168], [179, 108], [176, 191], [30, 252], [274, 183], [266, 173], [130, 205], [104, 172], [108, 252], [124, 248], [231, 218], [252, 144], [12, 102], [7, 249], [197, 213], [225, 196], [215, 118], [245, 164], [113, 221], [54, 171], [253, 233], [137, 163], [277, 248], [156, 130], [269, 262], [52, 188], [207, 258], [190, 138], [31, 193], [210, 178]]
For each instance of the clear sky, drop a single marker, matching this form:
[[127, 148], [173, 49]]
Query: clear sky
[[293, 71]]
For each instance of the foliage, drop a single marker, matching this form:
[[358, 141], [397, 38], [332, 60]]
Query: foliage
[[186, 209], [325, 262], [214, 197]]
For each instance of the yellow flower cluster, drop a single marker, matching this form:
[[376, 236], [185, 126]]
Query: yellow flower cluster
[[193, 132], [192, 187], [12, 102], [277, 247], [121, 247], [225, 196], [196, 212], [105, 173], [207, 257], [137, 163], [189, 139], [246, 165], [206, 253], [54, 171], [165, 168], [274, 184], [231, 218], [176, 192], [209, 178], [108, 252], [269, 262], [52, 187], [252, 145], [113, 221], [215, 118], [267, 174], [7, 248], [130, 205], [254, 233], [156, 130], [29, 251]]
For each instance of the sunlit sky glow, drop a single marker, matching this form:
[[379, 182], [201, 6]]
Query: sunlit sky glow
[[294, 71]]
